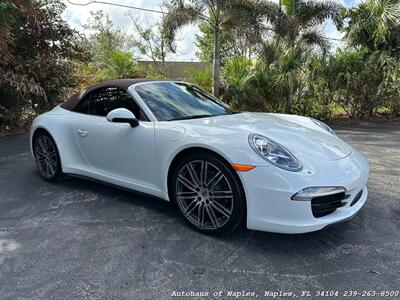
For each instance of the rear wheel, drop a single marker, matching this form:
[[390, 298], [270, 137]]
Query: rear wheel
[[208, 193], [47, 157]]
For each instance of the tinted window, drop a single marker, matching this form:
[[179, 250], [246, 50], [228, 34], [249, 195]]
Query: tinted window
[[169, 101], [83, 106], [100, 102]]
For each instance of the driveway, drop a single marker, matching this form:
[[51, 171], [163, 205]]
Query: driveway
[[81, 240]]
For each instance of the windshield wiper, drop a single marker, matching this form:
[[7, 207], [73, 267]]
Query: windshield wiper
[[191, 117]]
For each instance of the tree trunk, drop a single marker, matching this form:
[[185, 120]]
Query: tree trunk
[[289, 102], [163, 55], [216, 62]]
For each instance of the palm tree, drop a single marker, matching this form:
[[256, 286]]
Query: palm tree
[[375, 25], [288, 65], [295, 31], [220, 14]]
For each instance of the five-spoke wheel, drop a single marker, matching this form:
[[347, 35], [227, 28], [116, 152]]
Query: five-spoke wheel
[[208, 193]]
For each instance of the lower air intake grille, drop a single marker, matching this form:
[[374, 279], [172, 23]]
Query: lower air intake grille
[[325, 205]]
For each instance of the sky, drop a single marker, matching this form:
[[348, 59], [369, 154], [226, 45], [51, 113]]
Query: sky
[[76, 16]]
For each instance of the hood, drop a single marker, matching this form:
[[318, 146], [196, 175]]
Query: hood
[[300, 135]]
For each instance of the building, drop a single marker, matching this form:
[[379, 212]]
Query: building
[[175, 70]]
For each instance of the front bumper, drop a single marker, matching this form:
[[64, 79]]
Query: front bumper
[[269, 190]]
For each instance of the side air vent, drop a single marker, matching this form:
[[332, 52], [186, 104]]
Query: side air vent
[[356, 198]]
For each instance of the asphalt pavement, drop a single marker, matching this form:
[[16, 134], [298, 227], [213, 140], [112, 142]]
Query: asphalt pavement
[[82, 240]]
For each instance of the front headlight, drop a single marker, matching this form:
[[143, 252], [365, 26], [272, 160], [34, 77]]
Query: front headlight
[[323, 126], [274, 153]]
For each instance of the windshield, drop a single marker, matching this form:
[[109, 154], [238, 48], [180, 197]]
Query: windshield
[[170, 101]]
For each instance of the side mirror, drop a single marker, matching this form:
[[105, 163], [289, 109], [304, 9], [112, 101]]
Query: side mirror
[[122, 115]]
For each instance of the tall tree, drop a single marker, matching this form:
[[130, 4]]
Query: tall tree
[[220, 14], [373, 29], [237, 41], [205, 44], [8, 15], [110, 48], [375, 25], [36, 48], [295, 27], [151, 43]]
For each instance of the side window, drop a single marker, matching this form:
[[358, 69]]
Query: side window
[[98, 98], [100, 102], [119, 98], [83, 105]]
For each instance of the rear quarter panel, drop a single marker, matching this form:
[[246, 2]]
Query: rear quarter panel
[[59, 123]]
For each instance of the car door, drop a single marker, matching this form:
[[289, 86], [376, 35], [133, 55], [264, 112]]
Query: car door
[[116, 151]]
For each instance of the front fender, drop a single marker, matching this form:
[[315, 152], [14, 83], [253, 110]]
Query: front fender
[[232, 146]]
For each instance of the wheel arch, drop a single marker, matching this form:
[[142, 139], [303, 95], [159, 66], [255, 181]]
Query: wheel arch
[[37, 131], [195, 149]]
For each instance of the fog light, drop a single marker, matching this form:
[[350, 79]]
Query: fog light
[[311, 192]]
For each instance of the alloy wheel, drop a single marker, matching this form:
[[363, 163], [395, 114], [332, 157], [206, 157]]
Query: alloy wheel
[[204, 195], [46, 156]]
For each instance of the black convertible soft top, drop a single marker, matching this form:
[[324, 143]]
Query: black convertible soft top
[[73, 101]]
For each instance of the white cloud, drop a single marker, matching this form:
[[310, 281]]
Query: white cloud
[[350, 3], [76, 16], [334, 35]]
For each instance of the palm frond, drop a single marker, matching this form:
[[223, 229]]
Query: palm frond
[[311, 13], [251, 14], [179, 15], [314, 38], [384, 11], [374, 24]]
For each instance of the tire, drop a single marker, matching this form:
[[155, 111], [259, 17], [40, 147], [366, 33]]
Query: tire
[[213, 202], [47, 157]]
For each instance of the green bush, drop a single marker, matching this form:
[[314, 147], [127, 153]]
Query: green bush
[[37, 47], [313, 108], [250, 86], [202, 79]]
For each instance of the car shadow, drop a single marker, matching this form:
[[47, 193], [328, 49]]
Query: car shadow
[[326, 239]]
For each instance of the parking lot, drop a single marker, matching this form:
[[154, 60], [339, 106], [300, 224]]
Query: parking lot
[[78, 239]]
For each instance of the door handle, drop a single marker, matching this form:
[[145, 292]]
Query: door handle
[[82, 132]]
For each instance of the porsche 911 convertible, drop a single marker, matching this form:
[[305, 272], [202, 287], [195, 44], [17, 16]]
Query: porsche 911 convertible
[[279, 173]]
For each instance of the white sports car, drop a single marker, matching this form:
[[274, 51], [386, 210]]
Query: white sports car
[[281, 173]]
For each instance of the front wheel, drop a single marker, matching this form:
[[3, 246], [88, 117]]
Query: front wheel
[[208, 193]]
